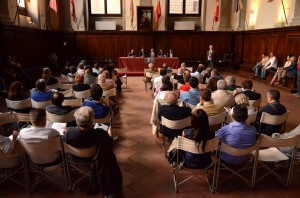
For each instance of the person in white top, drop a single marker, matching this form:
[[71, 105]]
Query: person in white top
[[7, 146], [271, 65], [38, 133], [280, 71]]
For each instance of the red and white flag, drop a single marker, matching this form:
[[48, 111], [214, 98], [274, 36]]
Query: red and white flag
[[270, 1], [53, 5], [158, 12], [131, 12], [73, 11], [217, 10]]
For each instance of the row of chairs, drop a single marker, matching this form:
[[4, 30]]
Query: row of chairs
[[27, 165], [259, 165]]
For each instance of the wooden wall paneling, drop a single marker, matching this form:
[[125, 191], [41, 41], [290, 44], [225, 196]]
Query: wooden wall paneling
[[292, 44], [106, 46], [130, 42], [93, 48], [282, 46], [146, 42], [195, 51], [161, 42], [80, 46], [118, 47], [224, 45], [184, 47], [9, 42], [69, 48], [238, 47]]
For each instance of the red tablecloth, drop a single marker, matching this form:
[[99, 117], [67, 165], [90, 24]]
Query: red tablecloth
[[137, 65]]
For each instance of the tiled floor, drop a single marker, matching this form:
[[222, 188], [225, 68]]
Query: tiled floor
[[146, 172]]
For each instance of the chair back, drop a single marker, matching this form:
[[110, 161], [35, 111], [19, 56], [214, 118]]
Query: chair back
[[71, 80], [255, 103], [42, 148], [69, 117], [110, 92], [40, 105], [122, 70], [217, 119], [189, 68], [65, 86], [188, 145], [21, 117], [176, 124], [238, 151], [86, 152], [62, 79], [106, 119], [5, 118], [252, 118], [67, 93], [273, 119], [76, 102], [18, 104], [82, 94], [267, 141], [54, 86]]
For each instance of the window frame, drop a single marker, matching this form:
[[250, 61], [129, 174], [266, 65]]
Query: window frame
[[184, 14], [105, 10], [22, 10]]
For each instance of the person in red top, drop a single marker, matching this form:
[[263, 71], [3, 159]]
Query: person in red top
[[186, 78], [298, 79]]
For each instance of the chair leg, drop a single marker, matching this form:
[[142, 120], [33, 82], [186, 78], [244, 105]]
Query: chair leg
[[175, 171]]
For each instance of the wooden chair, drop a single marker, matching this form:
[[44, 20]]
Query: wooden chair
[[148, 80], [76, 102], [273, 120], [272, 159], [82, 94], [19, 104], [67, 93], [42, 149], [69, 117], [216, 121], [123, 72], [40, 105], [65, 86], [81, 167], [255, 103], [187, 145], [241, 170], [54, 86]]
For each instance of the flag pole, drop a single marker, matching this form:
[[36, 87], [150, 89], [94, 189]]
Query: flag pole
[[17, 13], [284, 12], [46, 18]]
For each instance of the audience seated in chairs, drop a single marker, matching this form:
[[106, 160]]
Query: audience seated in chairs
[[222, 97], [277, 77], [80, 68], [85, 136], [79, 86], [96, 69], [15, 93], [7, 146], [172, 112], [206, 76], [207, 104], [237, 134], [230, 81], [247, 90], [191, 96], [274, 107], [215, 74], [197, 73], [179, 74], [72, 74], [41, 93], [166, 86], [102, 82], [88, 77], [38, 133], [47, 76], [185, 85], [288, 72], [199, 132], [212, 84], [242, 99], [57, 100], [157, 82]]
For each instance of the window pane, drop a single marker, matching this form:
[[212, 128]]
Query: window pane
[[21, 3], [191, 6], [176, 7], [97, 7], [113, 7]]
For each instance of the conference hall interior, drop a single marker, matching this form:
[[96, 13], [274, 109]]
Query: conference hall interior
[[130, 44]]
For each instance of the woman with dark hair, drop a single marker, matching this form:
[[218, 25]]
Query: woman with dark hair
[[166, 86], [199, 132], [15, 93], [47, 76], [212, 84]]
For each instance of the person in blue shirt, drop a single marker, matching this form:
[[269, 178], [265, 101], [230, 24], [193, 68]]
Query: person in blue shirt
[[237, 134], [41, 93], [100, 111], [193, 95], [199, 132]]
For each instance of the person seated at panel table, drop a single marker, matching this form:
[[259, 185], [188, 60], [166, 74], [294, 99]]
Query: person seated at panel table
[[152, 53], [131, 53], [160, 53], [170, 53], [142, 53]]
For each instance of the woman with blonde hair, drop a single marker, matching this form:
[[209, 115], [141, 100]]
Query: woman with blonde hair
[[242, 99]]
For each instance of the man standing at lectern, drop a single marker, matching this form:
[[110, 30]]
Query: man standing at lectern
[[211, 56]]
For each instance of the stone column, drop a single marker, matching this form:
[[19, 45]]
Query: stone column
[[242, 13], [225, 16], [64, 16], [4, 13], [296, 19]]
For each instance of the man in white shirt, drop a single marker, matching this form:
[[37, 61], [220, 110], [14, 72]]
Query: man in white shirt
[[38, 133], [271, 65]]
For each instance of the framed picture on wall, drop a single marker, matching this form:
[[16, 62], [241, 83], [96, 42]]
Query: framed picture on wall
[[145, 17]]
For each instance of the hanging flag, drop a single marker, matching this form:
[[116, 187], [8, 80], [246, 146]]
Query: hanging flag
[[216, 17], [131, 12], [270, 1], [73, 11], [53, 5], [158, 12], [237, 5]]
